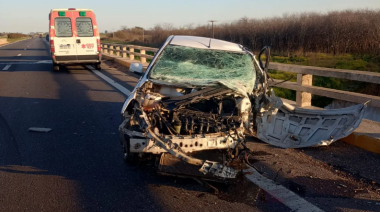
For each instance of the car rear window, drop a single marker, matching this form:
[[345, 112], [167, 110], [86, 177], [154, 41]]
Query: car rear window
[[84, 27], [63, 27]]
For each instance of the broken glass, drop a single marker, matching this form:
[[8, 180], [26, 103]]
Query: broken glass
[[202, 67]]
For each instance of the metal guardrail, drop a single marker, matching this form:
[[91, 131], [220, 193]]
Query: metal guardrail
[[303, 86], [128, 51]]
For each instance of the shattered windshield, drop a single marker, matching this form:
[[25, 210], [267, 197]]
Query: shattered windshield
[[200, 67]]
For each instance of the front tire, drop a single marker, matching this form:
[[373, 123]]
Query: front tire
[[97, 67], [56, 67], [129, 157]]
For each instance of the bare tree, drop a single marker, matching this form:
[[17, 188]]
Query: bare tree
[[336, 32]]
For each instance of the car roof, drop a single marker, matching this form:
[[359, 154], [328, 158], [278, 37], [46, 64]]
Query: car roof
[[67, 9], [206, 43]]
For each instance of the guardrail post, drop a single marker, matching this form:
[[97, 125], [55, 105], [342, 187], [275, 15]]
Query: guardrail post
[[131, 56], [111, 49], [105, 48], [124, 53], [303, 99], [117, 53], [142, 59]]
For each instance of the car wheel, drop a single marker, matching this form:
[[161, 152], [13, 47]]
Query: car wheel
[[97, 67], [128, 156], [56, 67]]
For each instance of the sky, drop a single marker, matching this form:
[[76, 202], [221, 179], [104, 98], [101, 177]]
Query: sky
[[32, 16]]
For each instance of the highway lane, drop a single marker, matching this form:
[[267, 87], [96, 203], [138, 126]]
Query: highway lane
[[78, 165], [73, 167]]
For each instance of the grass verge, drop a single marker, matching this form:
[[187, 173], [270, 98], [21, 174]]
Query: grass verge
[[11, 40]]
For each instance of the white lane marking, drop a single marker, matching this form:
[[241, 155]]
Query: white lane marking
[[6, 67], [110, 81], [29, 62], [19, 55], [282, 194], [45, 61]]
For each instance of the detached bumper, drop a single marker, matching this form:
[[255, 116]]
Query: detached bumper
[[179, 146]]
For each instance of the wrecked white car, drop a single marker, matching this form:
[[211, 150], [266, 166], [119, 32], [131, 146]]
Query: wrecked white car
[[202, 94]]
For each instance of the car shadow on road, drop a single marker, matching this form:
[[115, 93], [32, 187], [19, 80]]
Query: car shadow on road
[[32, 49], [13, 59]]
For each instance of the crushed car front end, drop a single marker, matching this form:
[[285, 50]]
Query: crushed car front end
[[191, 98], [201, 94]]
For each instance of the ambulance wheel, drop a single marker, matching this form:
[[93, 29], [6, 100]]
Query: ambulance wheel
[[97, 66], [56, 67]]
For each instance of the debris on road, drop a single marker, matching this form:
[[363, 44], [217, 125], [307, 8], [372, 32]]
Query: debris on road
[[39, 129], [342, 185]]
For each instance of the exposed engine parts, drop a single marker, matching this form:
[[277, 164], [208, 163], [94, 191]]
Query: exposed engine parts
[[195, 120], [197, 117]]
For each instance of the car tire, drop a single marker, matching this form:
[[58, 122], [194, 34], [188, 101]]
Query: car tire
[[97, 67], [128, 156], [56, 67]]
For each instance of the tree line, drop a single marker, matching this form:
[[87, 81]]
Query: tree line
[[336, 32]]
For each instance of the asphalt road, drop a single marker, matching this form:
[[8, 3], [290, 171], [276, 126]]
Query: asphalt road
[[78, 165]]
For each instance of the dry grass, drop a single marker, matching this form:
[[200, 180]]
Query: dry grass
[[10, 40]]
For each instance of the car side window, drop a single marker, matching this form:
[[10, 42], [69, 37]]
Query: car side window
[[84, 27], [63, 27]]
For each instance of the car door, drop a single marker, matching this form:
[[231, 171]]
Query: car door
[[86, 41], [286, 126], [64, 40]]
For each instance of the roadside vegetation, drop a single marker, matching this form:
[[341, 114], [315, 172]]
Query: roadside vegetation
[[337, 32], [10, 40], [361, 62], [347, 39], [12, 37]]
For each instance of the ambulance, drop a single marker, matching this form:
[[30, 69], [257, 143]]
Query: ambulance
[[74, 37]]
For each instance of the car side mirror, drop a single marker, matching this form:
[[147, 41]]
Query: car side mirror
[[266, 52], [136, 68]]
